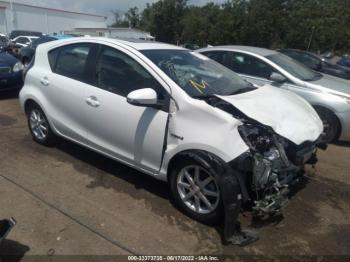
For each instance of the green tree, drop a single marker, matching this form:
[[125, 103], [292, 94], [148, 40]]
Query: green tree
[[264, 23], [133, 17], [163, 19], [118, 20]]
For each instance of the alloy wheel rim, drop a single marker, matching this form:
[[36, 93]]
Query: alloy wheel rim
[[198, 189], [38, 124]]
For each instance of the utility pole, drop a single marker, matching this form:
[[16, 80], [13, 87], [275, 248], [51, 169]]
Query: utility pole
[[311, 38], [12, 18]]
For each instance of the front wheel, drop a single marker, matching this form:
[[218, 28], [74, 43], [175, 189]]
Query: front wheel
[[195, 191], [331, 125]]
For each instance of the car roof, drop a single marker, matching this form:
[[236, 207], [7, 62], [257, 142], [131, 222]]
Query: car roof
[[133, 43], [28, 36], [256, 50], [59, 37]]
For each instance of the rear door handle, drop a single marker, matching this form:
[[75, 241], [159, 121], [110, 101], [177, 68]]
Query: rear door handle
[[45, 81], [92, 101]]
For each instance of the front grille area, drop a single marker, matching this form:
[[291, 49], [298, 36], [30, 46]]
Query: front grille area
[[5, 70]]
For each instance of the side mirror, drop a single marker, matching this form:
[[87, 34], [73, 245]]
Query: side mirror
[[143, 97], [276, 77]]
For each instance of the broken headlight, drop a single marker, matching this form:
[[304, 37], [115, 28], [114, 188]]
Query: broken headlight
[[258, 139]]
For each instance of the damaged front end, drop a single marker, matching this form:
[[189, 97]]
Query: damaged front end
[[271, 167]]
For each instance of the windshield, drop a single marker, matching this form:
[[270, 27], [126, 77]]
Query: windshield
[[196, 74], [295, 68]]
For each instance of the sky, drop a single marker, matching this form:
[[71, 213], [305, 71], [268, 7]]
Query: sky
[[102, 7]]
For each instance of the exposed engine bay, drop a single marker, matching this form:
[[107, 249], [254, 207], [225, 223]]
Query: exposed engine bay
[[271, 166], [276, 165]]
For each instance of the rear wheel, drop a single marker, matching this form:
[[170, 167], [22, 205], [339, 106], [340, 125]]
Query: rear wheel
[[39, 126], [195, 191], [331, 125]]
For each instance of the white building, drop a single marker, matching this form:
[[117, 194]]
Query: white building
[[18, 16], [113, 32]]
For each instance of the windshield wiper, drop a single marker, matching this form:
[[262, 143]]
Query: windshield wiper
[[239, 91], [204, 97], [243, 90]]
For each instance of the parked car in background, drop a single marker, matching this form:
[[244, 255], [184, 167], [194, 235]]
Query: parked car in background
[[24, 40], [11, 72], [191, 46], [344, 61], [26, 53], [329, 95], [317, 63], [4, 42], [16, 33], [176, 115]]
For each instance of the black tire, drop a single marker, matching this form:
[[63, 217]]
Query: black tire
[[208, 218], [331, 125], [25, 61], [50, 138]]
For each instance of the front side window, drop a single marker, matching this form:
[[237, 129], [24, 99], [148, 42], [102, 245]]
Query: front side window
[[293, 67], [118, 73], [71, 60], [248, 65], [196, 74]]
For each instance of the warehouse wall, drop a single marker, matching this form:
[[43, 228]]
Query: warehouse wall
[[48, 21], [3, 21]]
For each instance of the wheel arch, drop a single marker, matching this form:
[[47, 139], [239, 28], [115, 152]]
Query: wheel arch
[[326, 109], [201, 156], [28, 104]]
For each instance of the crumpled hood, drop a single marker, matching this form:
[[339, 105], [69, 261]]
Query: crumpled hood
[[288, 114]]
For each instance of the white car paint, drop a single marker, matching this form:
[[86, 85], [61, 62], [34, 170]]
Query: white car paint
[[136, 135]]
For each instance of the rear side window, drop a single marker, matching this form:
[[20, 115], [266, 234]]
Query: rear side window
[[71, 60]]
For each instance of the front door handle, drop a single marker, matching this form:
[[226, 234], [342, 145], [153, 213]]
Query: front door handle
[[45, 81], [92, 101]]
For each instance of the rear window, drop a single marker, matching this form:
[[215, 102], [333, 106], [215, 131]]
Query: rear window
[[70, 60]]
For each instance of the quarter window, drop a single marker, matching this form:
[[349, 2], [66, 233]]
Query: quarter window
[[119, 74], [71, 61]]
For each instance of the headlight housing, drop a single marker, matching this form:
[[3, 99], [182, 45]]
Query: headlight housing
[[18, 67], [258, 139]]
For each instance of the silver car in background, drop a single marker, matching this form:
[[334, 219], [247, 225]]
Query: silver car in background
[[329, 95]]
